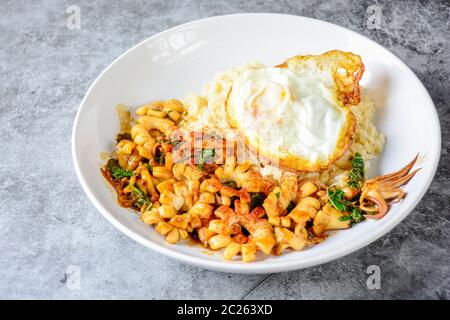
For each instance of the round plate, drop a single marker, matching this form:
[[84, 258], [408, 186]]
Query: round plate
[[181, 60]]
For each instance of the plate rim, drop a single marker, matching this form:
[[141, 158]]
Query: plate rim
[[273, 266]]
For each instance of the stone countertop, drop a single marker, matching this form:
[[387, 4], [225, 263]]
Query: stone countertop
[[50, 232]]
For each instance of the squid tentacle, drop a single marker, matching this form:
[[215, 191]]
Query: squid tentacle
[[377, 193], [399, 173]]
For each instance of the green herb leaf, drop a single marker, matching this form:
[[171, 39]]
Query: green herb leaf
[[357, 214], [206, 155], [120, 173], [150, 167], [290, 207], [112, 164], [116, 171], [123, 136], [159, 157], [278, 195], [140, 198], [356, 176], [231, 184], [336, 197], [256, 199]]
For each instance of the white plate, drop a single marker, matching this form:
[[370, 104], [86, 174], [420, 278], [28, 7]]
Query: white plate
[[179, 61]]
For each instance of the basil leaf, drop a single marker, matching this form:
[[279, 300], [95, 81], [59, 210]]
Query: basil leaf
[[123, 136], [140, 198], [336, 197], [207, 154], [231, 184], [159, 157], [116, 171], [356, 176], [357, 214], [256, 199], [290, 207]]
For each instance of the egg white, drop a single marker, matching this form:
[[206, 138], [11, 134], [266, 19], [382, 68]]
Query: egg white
[[286, 113]]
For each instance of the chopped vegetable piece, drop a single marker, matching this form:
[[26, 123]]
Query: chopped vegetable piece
[[290, 207], [140, 198], [120, 173], [336, 197], [112, 164], [357, 214], [159, 157], [357, 174], [231, 184], [116, 171], [256, 199], [123, 136], [206, 155]]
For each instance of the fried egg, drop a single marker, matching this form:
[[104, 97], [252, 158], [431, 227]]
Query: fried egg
[[296, 115]]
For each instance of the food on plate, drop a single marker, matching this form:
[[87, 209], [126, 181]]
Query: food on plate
[[301, 107], [266, 160]]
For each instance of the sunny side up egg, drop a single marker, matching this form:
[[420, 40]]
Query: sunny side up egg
[[296, 115]]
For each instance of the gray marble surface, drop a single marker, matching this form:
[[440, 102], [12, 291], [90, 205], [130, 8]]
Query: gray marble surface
[[47, 224]]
